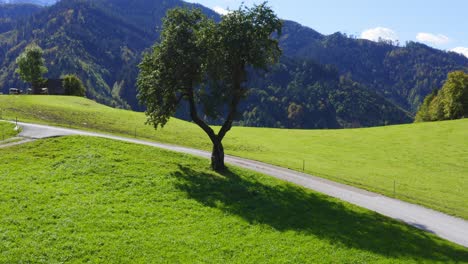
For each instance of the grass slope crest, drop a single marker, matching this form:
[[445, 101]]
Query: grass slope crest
[[424, 163], [81, 199]]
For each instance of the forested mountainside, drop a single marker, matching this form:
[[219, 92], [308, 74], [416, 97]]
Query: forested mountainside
[[34, 2], [305, 94], [13, 14], [403, 74], [102, 41]]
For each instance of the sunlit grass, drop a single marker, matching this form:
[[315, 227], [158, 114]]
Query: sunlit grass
[[7, 131], [80, 199], [425, 163]]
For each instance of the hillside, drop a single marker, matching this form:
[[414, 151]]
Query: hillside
[[6, 131], [17, 11], [305, 94], [102, 42], [425, 162], [73, 44], [96, 200], [34, 2], [403, 74], [12, 15]]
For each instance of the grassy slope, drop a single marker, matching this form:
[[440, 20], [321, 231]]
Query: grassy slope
[[79, 199], [427, 162], [6, 131]]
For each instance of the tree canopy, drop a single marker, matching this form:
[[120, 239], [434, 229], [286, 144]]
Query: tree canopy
[[205, 64], [73, 85], [31, 66], [450, 102]]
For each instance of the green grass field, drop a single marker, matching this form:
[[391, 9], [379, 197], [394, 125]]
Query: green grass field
[[78, 199], [427, 163], [6, 131]]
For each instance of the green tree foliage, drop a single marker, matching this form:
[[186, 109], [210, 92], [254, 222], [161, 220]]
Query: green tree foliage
[[305, 94], [73, 85], [31, 66], [450, 102], [423, 112], [206, 64]]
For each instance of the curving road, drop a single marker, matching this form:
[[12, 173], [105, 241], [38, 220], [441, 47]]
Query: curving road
[[445, 226]]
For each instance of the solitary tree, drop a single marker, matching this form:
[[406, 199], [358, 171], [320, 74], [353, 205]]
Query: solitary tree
[[73, 85], [206, 64], [31, 66]]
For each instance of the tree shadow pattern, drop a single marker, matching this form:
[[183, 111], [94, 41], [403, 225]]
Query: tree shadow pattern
[[288, 207]]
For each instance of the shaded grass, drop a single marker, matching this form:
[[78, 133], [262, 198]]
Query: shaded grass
[[427, 163], [80, 199]]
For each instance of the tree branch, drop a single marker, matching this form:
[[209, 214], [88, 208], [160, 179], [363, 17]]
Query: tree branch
[[194, 115], [181, 96], [230, 118], [236, 97]]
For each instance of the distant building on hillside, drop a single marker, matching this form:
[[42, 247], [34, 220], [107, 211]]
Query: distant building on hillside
[[14, 91], [55, 86]]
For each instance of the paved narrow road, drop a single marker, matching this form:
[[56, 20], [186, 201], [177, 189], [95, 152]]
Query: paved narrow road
[[445, 226]]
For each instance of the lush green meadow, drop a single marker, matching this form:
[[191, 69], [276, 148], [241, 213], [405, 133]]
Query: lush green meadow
[[79, 199], [427, 163], [7, 131]]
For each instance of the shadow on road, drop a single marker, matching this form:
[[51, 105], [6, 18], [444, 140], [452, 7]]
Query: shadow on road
[[287, 207]]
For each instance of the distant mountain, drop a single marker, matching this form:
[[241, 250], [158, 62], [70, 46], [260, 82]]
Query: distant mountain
[[404, 75], [16, 11], [35, 2], [321, 82], [13, 14], [305, 94]]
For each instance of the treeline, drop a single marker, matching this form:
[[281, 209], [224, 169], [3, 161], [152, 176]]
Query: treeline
[[305, 94], [450, 102]]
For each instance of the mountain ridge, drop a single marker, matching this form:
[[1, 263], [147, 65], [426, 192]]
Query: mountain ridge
[[34, 2], [386, 62], [102, 42]]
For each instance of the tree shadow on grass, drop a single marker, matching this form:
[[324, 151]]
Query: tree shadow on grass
[[288, 207]]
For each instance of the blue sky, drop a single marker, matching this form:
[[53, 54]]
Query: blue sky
[[439, 24]]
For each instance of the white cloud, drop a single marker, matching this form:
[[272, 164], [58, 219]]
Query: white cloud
[[461, 50], [433, 39], [221, 10], [377, 33]]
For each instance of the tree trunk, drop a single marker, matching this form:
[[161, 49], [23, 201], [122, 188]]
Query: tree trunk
[[217, 156], [35, 88]]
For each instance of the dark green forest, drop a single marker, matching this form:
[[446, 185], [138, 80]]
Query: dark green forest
[[321, 81], [405, 75], [11, 15], [305, 94]]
